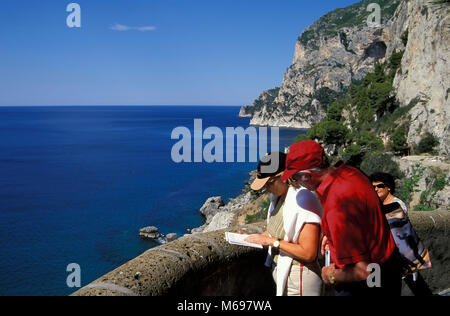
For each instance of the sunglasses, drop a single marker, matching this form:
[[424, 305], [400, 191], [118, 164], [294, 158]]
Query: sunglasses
[[302, 176], [379, 186]]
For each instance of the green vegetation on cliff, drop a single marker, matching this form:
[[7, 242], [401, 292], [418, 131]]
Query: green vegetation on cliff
[[428, 144], [331, 23], [365, 127], [365, 110], [267, 98], [360, 113]]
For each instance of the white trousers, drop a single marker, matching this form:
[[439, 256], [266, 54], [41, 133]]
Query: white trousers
[[301, 281]]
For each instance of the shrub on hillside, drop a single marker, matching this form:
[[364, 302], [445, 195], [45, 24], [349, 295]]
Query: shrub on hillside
[[330, 132], [335, 111], [399, 142], [380, 162], [369, 142], [427, 144], [352, 155]]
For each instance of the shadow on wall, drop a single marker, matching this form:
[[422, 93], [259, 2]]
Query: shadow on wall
[[246, 276]]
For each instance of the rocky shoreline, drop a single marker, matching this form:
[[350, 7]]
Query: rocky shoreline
[[216, 213], [219, 215]]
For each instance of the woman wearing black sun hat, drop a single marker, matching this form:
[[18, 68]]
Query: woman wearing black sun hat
[[293, 230]]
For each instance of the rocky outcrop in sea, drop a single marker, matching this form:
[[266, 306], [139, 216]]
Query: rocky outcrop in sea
[[152, 233], [219, 215]]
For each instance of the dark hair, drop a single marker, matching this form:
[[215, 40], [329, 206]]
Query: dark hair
[[386, 178], [325, 162]]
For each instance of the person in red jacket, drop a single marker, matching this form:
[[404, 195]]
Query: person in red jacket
[[356, 231]]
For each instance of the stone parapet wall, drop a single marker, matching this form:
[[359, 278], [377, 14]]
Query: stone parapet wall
[[207, 265]]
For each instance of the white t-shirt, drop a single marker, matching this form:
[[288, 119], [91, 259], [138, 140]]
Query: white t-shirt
[[301, 207]]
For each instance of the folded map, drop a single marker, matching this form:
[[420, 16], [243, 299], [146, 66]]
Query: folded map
[[238, 239]]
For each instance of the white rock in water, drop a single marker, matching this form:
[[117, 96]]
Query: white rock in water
[[150, 232]]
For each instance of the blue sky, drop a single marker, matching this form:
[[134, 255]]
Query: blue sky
[[149, 52]]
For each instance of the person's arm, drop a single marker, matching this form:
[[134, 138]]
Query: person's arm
[[349, 274], [304, 250]]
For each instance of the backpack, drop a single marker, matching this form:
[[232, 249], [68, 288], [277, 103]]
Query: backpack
[[413, 253]]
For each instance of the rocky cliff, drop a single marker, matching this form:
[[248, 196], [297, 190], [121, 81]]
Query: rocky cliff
[[341, 48], [331, 53], [424, 74]]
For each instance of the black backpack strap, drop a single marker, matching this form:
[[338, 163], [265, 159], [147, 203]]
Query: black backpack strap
[[390, 207]]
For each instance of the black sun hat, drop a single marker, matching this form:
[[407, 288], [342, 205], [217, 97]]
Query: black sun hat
[[272, 164]]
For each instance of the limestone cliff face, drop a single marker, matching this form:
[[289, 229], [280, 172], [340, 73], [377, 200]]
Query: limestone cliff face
[[329, 55], [340, 47], [425, 69]]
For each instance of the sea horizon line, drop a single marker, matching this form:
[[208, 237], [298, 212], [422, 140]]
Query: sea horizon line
[[122, 105]]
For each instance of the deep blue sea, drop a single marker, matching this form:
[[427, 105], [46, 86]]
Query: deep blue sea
[[77, 183]]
